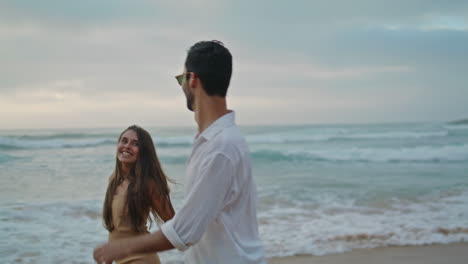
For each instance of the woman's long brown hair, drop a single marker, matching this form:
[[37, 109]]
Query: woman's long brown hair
[[147, 180]]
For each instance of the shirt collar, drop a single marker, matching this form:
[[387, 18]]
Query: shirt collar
[[217, 126]]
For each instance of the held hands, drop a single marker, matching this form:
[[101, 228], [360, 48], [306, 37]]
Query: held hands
[[118, 249], [106, 253]]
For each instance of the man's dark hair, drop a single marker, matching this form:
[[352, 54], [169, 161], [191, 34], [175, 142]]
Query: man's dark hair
[[211, 61]]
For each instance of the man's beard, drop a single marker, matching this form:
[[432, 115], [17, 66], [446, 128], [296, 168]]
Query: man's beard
[[189, 96]]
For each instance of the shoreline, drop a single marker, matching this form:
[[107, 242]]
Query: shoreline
[[454, 253]]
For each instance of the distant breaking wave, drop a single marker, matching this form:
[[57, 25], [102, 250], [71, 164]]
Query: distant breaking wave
[[430, 154], [5, 157], [417, 154], [83, 140], [336, 228], [72, 141], [271, 138], [55, 136], [13, 143]]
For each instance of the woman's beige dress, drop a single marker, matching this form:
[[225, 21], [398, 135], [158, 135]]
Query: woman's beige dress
[[123, 230]]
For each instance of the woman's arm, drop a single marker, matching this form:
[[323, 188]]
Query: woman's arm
[[161, 204]]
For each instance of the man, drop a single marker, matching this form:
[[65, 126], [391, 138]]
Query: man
[[217, 222]]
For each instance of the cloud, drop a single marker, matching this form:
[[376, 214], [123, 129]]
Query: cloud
[[66, 103], [106, 57], [81, 14], [311, 72], [312, 61], [430, 23]]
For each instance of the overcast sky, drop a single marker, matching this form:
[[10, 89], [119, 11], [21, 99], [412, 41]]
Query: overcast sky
[[112, 63]]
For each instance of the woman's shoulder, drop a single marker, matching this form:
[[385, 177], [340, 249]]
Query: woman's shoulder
[[151, 186]]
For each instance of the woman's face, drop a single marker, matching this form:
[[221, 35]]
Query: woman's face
[[128, 148]]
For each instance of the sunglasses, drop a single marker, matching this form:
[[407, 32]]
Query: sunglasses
[[180, 78]]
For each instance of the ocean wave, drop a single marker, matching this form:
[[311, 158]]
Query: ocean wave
[[286, 229], [49, 136], [456, 127], [340, 136], [319, 232], [44, 226], [7, 143], [173, 159], [5, 157], [79, 140], [416, 154], [181, 141], [396, 135], [71, 141], [383, 238]]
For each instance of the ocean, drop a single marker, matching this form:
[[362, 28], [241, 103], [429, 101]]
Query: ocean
[[322, 189]]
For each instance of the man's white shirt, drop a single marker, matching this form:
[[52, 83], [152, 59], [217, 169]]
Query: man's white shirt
[[217, 222]]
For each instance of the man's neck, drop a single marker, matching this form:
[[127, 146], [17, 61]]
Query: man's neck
[[208, 111]]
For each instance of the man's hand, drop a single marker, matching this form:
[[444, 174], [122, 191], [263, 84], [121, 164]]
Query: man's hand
[[119, 249], [106, 253]]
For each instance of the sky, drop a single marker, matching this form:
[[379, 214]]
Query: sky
[[111, 63]]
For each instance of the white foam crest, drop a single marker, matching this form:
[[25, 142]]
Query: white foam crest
[[421, 154], [338, 134], [55, 232], [328, 230], [396, 135], [19, 143], [51, 233], [286, 229], [456, 127], [182, 140], [52, 143], [5, 157]]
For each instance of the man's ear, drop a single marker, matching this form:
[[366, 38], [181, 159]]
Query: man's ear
[[193, 80]]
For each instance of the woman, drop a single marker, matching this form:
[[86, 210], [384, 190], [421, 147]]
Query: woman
[[137, 188]]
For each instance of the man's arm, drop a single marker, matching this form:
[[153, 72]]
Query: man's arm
[[206, 198], [119, 249]]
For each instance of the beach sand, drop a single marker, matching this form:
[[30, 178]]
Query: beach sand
[[432, 254]]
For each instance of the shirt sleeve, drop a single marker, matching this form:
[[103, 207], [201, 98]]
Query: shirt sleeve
[[203, 202]]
